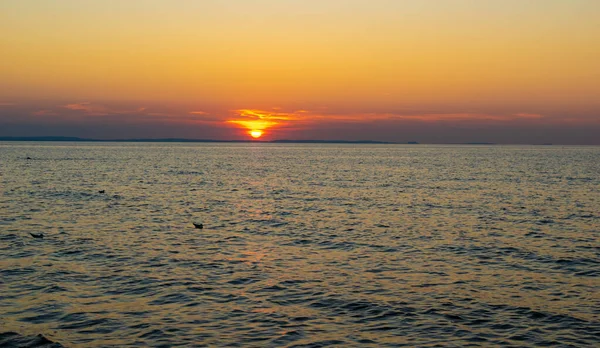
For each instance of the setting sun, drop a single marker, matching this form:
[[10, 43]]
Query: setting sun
[[256, 133], [256, 122]]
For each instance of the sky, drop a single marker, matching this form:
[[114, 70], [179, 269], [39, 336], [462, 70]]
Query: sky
[[432, 71]]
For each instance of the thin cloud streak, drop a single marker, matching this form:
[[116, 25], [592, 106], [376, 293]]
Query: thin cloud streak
[[305, 116], [100, 110], [45, 112]]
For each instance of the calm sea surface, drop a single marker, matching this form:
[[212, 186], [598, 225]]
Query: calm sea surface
[[303, 245]]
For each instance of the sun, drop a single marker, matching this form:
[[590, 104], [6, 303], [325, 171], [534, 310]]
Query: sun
[[255, 133]]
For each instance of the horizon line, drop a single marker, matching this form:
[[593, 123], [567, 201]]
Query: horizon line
[[284, 141]]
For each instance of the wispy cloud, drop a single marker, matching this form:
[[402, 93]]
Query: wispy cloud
[[94, 109], [7, 104], [528, 115], [306, 116], [254, 119], [455, 117], [89, 108], [424, 117], [267, 115], [44, 112]]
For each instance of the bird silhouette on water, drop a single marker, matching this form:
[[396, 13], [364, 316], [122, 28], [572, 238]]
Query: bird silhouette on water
[[199, 226], [37, 235]]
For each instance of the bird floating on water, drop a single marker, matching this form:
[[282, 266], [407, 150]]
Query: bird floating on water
[[101, 191], [200, 226], [37, 235]]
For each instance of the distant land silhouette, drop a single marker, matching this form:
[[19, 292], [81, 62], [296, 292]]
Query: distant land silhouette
[[183, 140]]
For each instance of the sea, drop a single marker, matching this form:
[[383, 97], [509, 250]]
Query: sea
[[302, 245]]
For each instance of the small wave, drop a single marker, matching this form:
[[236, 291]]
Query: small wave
[[13, 339]]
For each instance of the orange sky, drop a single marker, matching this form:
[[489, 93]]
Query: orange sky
[[437, 70]]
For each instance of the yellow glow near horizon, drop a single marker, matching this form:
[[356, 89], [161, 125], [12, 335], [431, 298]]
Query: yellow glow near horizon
[[251, 125], [257, 121]]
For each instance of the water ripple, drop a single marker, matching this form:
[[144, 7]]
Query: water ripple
[[302, 246]]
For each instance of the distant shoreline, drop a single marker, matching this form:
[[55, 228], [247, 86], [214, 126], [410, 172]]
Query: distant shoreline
[[184, 140], [278, 141]]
